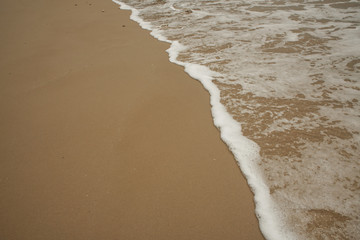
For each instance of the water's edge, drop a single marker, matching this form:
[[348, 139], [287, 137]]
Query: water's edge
[[245, 151]]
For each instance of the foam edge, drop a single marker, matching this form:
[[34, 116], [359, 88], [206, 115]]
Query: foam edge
[[245, 151]]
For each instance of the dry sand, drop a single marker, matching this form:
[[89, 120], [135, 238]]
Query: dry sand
[[103, 138]]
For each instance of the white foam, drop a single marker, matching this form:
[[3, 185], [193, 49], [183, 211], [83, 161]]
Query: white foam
[[172, 7], [292, 37], [246, 152], [145, 25]]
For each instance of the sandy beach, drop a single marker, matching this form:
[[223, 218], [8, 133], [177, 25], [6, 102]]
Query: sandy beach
[[103, 138]]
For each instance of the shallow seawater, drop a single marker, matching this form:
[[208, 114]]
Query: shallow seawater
[[289, 73]]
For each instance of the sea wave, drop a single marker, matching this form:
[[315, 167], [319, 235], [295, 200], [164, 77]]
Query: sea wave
[[284, 83]]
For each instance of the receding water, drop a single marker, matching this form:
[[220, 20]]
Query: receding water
[[289, 73]]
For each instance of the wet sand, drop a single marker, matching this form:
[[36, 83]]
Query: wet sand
[[103, 138]]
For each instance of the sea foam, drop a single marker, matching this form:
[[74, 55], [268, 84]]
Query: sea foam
[[284, 84], [246, 152]]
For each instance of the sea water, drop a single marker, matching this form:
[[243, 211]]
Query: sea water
[[284, 80]]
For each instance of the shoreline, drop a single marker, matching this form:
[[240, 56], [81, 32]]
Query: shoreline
[[103, 137]]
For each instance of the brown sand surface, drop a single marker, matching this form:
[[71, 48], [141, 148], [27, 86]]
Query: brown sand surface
[[103, 138]]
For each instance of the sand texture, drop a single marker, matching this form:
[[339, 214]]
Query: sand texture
[[103, 138]]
